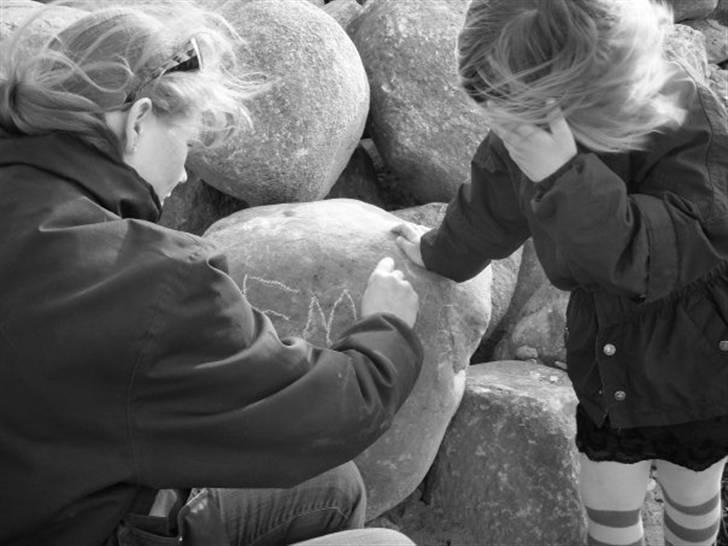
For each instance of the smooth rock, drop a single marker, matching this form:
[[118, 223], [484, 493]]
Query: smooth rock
[[424, 125], [306, 266], [507, 469], [307, 125]]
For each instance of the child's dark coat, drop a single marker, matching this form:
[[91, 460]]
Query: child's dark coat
[[640, 240]]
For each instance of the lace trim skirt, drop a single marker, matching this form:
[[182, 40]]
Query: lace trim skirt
[[696, 445]]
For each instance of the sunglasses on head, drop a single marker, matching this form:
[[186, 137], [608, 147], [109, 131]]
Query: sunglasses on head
[[186, 60]]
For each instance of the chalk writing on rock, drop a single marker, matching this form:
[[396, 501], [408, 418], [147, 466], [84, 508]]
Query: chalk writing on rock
[[316, 318]]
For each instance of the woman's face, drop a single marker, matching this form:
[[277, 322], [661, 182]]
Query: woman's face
[[161, 149]]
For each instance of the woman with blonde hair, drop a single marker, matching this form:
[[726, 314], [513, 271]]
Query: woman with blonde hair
[[142, 399], [615, 161]]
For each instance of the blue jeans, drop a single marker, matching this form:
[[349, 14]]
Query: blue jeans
[[327, 510]]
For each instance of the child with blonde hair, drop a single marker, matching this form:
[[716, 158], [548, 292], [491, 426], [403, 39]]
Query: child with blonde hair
[[615, 162], [143, 401]]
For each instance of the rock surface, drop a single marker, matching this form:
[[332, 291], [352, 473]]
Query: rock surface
[[507, 468], [306, 266], [716, 38], [194, 206], [308, 123], [423, 124], [692, 9], [537, 332], [359, 180]]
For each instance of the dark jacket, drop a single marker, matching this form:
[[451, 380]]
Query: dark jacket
[[130, 360], [640, 240]]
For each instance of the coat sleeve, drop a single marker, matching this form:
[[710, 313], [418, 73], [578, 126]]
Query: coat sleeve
[[645, 243], [219, 400], [483, 222]]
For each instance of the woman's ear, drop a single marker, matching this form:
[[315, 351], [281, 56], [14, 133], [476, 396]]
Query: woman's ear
[[138, 115]]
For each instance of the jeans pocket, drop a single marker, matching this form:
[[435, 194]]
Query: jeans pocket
[[199, 523], [139, 530]]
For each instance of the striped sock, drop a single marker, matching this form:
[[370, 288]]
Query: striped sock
[[615, 527], [692, 525]]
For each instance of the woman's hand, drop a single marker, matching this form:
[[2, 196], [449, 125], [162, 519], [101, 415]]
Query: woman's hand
[[408, 240], [388, 291], [539, 153]]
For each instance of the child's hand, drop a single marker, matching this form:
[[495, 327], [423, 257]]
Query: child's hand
[[539, 153], [408, 240]]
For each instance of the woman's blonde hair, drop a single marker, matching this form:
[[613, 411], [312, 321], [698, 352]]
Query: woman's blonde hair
[[601, 61], [112, 55]]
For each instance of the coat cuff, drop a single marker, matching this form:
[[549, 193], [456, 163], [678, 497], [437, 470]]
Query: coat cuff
[[547, 183]]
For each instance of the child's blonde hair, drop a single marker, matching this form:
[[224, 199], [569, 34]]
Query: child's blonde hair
[[602, 61], [109, 57]]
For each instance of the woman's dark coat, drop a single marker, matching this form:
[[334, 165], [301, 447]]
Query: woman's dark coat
[[130, 360]]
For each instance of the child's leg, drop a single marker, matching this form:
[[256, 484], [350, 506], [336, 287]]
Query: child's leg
[[692, 503], [613, 494]]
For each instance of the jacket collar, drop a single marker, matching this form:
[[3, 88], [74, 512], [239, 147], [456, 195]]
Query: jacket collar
[[113, 184]]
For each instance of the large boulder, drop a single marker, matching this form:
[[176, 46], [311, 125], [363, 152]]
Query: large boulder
[[308, 123], [507, 469], [423, 124], [306, 265]]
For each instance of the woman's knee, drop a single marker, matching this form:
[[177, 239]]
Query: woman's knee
[[346, 491]]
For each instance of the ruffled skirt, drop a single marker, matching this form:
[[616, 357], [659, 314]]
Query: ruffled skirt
[[696, 445]]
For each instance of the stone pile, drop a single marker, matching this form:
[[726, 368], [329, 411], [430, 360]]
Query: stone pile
[[364, 125]]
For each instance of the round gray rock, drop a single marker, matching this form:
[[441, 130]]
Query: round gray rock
[[425, 127], [306, 265], [506, 471], [308, 123]]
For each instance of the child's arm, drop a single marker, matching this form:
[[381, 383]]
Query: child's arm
[[483, 222], [644, 236], [669, 231]]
